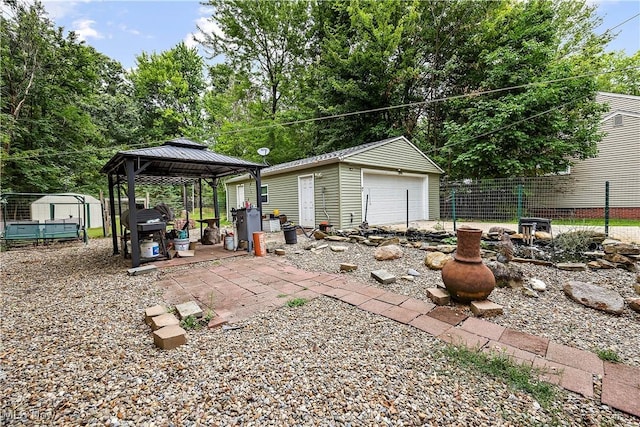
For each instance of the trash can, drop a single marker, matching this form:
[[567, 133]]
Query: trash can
[[259, 245], [290, 235]]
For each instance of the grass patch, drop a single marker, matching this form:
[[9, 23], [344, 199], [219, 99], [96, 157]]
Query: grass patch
[[296, 302], [608, 355], [282, 295], [501, 367]]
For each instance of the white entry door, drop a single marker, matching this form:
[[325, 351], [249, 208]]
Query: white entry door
[[306, 203], [240, 196]]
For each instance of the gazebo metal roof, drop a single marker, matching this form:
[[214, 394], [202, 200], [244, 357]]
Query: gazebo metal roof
[[177, 161]]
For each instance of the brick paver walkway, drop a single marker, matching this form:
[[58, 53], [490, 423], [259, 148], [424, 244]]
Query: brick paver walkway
[[246, 285]]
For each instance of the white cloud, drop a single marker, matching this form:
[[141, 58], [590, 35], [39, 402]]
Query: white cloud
[[205, 26], [83, 29], [128, 30]]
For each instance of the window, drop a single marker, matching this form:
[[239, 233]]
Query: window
[[264, 194], [617, 120]]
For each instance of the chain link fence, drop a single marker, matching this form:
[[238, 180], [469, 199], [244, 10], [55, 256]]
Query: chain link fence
[[613, 208]]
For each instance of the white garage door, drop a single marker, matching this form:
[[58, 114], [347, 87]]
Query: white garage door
[[386, 195]]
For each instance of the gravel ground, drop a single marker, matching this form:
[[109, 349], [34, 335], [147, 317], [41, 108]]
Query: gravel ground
[[75, 351]]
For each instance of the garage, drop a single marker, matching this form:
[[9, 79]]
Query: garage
[[388, 197]]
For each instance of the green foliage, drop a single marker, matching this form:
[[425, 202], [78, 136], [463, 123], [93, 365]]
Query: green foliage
[[296, 302], [500, 366], [190, 322], [608, 355]]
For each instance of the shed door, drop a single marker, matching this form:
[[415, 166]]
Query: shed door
[[389, 196], [306, 203], [240, 196]]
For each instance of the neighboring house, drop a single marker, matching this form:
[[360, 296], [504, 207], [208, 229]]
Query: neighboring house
[[388, 182], [618, 162]]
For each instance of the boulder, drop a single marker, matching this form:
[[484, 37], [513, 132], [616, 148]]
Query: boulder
[[594, 296], [384, 253], [507, 275], [436, 260]]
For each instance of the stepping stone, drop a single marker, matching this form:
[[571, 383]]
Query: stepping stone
[[163, 320], [447, 315], [486, 308], [348, 267], [169, 337], [152, 312], [383, 276], [190, 308], [439, 296]]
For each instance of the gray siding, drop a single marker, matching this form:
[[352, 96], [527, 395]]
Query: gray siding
[[434, 196], [350, 196], [397, 154], [619, 102]]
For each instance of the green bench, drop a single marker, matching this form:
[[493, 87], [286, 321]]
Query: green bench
[[60, 229], [22, 232]]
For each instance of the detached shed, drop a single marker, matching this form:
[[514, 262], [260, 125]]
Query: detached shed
[[71, 205], [388, 182]]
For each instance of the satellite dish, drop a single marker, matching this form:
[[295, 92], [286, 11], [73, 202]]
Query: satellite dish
[[263, 151]]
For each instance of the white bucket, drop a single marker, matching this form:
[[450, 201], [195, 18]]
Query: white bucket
[[228, 243], [181, 244], [149, 249]]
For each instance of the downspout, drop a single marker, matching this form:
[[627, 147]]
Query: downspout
[[324, 206]]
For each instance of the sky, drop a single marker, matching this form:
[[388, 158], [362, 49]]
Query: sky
[[122, 29]]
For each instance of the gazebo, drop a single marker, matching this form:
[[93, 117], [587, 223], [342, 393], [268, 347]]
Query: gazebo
[[176, 162]]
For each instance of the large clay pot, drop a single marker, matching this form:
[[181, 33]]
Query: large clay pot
[[465, 276]]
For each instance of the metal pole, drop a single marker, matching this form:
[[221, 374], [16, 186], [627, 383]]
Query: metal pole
[[519, 202], [407, 208], [606, 208], [453, 207]]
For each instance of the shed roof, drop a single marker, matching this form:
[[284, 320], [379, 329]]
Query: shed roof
[[177, 161]]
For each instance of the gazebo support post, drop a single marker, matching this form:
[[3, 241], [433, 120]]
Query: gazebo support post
[[256, 175], [112, 211], [133, 214]]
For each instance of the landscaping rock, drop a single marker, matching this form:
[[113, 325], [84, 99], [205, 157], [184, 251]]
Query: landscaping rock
[[390, 241], [506, 275], [383, 276], [622, 248], [385, 253], [572, 266], [338, 248], [149, 268], [537, 285], [436, 260], [408, 277], [621, 260], [446, 249], [530, 292], [319, 235], [594, 296], [337, 239], [600, 264], [634, 304], [280, 252], [413, 272]]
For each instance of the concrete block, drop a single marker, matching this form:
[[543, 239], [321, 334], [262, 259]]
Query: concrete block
[[439, 296], [348, 267], [486, 308], [190, 308], [383, 276], [154, 311], [163, 320], [142, 270], [169, 337]]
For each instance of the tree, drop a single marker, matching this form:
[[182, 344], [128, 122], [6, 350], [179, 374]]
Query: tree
[[536, 127], [168, 89], [622, 74]]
